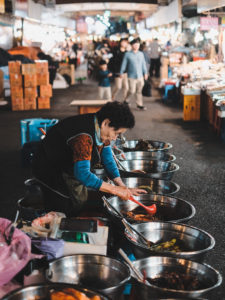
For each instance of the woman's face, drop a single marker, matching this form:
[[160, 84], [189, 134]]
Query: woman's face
[[108, 133]]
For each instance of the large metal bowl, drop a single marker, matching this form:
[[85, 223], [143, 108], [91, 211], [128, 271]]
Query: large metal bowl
[[157, 186], [146, 155], [168, 208], [41, 292], [155, 266], [153, 168], [196, 242], [156, 146], [102, 273]]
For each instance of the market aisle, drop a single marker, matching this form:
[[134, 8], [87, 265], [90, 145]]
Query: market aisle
[[199, 154]]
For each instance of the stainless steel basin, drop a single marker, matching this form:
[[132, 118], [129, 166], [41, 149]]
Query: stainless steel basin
[[98, 272], [168, 208], [147, 155], [156, 145], [156, 186], [153, 168], [41, 292], [155, 266], [195, 243]]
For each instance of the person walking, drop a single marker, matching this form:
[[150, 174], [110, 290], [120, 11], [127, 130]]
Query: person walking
[[115, 65], [134, 64], [104, 88], [155, 51]]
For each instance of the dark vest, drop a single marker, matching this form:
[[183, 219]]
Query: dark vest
[[55, 156]]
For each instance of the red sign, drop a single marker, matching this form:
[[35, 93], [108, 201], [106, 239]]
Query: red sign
[[207, 23]]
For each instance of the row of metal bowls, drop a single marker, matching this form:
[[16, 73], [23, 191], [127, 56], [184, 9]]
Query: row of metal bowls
[[108, 275], [196, 242], [156, 163]]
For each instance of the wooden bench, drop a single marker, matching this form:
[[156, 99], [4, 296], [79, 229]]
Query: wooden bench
[[88, 106]]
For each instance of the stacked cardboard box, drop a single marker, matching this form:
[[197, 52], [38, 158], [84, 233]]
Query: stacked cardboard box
[[29, 81], [30, 86], [16, 85], [45, 89]]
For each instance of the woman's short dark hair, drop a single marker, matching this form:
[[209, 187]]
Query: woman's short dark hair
[[118, 113]]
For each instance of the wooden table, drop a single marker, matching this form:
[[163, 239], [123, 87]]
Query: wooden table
[[88, 106]]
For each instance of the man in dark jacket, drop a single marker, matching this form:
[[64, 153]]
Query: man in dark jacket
[[115, 65]]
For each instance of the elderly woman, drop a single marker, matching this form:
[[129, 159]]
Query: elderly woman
[[71, 148]]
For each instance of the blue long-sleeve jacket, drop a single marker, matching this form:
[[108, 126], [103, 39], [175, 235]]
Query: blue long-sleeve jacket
[[134, 65], [83, 173]]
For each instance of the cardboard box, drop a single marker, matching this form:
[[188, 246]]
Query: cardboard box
[[43, 78], [15, 79], [30, 92], [14, 66], [46, 90], [17, 104], [29, 69], [30, 80], [41, 66], [30, 103], [44, 103], [16, 92]]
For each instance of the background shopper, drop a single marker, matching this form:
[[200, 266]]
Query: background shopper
[[154, 54], [134, 64], [104, 88], [115, 65]]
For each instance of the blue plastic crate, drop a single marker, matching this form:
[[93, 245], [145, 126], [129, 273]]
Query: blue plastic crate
[[30, 129]]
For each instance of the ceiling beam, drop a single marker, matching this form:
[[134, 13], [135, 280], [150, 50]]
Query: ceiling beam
[[85, 1], [121, 6]]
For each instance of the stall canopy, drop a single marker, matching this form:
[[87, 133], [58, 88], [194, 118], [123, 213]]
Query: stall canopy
[[206, 5], [137, 1]]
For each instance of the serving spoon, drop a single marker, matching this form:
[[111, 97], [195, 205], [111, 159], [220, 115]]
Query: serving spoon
[[134, 233], [151, 209], [138, 274]]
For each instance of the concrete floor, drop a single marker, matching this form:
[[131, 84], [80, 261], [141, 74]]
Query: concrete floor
[[200, 155]]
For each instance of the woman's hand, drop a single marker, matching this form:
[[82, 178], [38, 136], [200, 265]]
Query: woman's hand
[[137, 191], [121, 191], [125, 193]]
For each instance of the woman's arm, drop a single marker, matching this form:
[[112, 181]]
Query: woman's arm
[[121, 191], [109, 162]]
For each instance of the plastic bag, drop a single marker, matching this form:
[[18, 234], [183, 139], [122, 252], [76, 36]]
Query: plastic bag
[[52, 248], [13, 257], [47, 225]]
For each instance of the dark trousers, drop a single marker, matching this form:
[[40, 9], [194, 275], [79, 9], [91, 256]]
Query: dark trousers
[[154, 67]]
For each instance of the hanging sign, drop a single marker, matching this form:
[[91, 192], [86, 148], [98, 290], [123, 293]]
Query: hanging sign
[[207, 23], [2, 6]]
